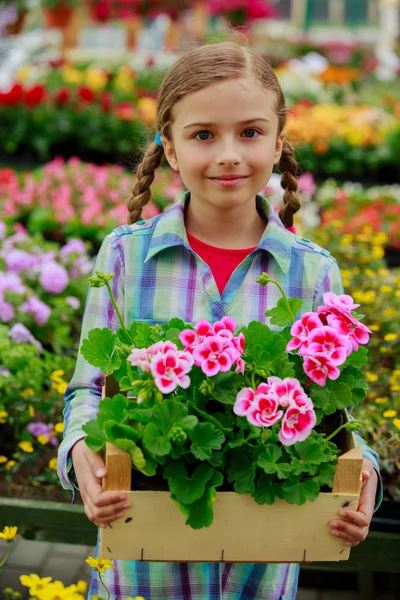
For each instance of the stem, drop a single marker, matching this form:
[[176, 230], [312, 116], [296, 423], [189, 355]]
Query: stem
[[332, 435], [253, 380], [118, 312], [284, 297], [104, 586], [3, 562]]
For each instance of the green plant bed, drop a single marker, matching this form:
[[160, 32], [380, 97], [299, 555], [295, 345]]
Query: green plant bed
[[48, 521]]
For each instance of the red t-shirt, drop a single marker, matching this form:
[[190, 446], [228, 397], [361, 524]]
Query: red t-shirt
[[222, 261]]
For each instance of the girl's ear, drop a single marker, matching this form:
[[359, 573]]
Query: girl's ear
[[278, 147], [169, 151]]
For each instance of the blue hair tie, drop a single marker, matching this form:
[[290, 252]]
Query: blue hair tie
[[157, 139]]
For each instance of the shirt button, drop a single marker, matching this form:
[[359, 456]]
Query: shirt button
[[306, 240], [140, 222]]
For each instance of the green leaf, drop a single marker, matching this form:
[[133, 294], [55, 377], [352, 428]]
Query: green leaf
[[264, 492], [298, 492], [326, 474], [95, 438], [200, 513], [114, 431], [280, 315], [226, 387], [113, 409], [331, 397], [357, 383], [312, 450], [357, 359], [144, 335], [242, 472], [205, 438], [283, 367], [167, 414], [155, 442], [141, 415], [99, 350], [262, 346], [211, 419], [187, 489], [136, 453], [268, 459], [177, 324]]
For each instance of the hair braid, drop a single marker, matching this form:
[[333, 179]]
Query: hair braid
[[141, 192], [289, 168]]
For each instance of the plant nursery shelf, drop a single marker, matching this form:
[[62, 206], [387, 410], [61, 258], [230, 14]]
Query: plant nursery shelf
[[48, 521]]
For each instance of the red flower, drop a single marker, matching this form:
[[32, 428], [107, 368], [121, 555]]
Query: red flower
[[35, 95], [7, 177], [62, 96], [106, 101], [13, 96], [86, 94]]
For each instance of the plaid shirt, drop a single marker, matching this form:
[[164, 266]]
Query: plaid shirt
[[157, 277]]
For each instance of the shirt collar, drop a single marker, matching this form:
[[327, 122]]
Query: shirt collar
[[170, 231]]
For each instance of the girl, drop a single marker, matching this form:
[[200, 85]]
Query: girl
[[220, 122]]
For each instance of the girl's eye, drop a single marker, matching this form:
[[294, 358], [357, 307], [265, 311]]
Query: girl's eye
[[251, 136], [206, 133]]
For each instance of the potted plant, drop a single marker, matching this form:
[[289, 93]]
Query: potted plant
[[255, 412]]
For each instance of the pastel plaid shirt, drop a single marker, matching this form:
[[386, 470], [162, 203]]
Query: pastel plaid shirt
[[157, 277]]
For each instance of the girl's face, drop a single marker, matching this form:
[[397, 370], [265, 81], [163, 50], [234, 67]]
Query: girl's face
[[228, 129]]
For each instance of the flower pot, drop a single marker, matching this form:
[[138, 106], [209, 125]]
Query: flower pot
[[16, 27], [58, 17], [242, 531]]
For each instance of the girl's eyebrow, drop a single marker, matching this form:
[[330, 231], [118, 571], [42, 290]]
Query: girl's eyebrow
[[212, 124]]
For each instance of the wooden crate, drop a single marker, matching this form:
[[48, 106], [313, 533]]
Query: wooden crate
[[154, 529]]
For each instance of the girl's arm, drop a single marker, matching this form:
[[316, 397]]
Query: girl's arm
[[330, 280], [83, 394]]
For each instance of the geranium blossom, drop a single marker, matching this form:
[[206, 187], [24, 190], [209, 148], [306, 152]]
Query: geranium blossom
[[264, 412], [170, 370], [327, 341], [318, 367], [301, 330], [289, 392], [348, 326], [244, 400], [297, 425], [212, 356]]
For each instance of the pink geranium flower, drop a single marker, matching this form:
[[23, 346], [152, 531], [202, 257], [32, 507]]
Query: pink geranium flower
[[191, 338], [264, 411], [318, 367], [338, 304], [297, 425], [348, 326], [301, 330], [326, 340], [212, 357], [289, 392], [244, 400], [170, 370], [140, 358]]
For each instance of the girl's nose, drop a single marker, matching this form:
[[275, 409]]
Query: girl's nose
[[228, 154]]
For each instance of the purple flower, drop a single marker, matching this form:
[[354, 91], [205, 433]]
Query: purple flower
[[73, 302], [54, 442], [6, 310], [19, 334], [4, 372], [73, 246], [19, 260], [11, 282], [53, 278], [38, 309], [38, 428], [82, 266]]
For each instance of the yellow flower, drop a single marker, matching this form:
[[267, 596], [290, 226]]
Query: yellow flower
[[389, 413], [386, 289], [374, 327], [34, 583], [96, 79], [26, 447], [390, 337], [10, 464], [396, 423], [382, 422], [370, 273], [8, 533], [28, 392], [378, 252], [57, 591], [383, 272], [3, 416], [346, 282], [381, 400], [395, 388], [42, 439], [81, 586], [31, 410], [22, 74], [57, 375], [101, 564], [59, 427], [60, 387], [371, 376], [3, 459], [72, 76], [53, 464]]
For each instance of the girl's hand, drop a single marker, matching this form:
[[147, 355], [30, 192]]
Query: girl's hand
[[353, 526], [100, 507]]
